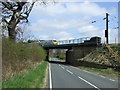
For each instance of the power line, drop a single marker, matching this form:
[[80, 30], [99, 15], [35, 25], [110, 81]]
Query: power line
[[114, 27]]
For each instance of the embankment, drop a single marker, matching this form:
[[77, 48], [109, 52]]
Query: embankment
[[22, 59]]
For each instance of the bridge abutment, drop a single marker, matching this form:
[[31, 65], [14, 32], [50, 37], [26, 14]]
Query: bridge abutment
[[69, 55], [78, 52], [47, 55]]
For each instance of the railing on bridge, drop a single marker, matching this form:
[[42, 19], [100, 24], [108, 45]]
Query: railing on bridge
[[73, 41], [85, 41]]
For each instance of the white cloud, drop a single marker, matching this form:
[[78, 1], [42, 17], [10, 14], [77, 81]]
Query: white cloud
[[57, 19], [57, 36], [61, 10], [88, 29], [91, 31], [85, 8], [55, 25]]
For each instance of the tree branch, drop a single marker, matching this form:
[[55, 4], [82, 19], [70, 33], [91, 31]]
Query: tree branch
[[3, 19], [7, 6], [28, 12]]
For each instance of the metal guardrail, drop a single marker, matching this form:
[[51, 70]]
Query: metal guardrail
[[73, 41]]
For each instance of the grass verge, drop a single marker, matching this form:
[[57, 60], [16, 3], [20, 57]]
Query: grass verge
[[102, 71], [32, 79]]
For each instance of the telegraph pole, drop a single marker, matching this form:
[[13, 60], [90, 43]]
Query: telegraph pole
[[106, 31]]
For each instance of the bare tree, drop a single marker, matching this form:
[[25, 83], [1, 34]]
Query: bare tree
[[14, 13], [23, 34]]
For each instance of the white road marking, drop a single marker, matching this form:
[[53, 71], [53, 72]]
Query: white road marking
[[102, 76], [111, 79], [69, 71], [50, 77], [88, 82], [62, 67]]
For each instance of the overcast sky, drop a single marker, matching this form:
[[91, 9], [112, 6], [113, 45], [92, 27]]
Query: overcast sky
[[72, 20]]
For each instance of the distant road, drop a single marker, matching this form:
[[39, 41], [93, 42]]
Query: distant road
[[66, 76]]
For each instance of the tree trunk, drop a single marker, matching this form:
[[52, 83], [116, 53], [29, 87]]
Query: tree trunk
[[12, 34], [12, 25], [17, 14], [11, 29]]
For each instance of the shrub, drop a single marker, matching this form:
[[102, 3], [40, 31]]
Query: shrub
[[18, 57]]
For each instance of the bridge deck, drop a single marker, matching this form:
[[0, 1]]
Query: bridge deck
[[68, 46]]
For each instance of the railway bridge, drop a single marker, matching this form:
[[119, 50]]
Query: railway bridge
[[76, 48]]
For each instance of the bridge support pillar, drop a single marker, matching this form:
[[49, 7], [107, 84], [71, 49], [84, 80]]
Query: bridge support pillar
[[69, 56], [47, 56]]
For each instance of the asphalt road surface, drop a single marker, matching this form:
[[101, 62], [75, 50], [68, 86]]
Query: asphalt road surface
[[62, 75]]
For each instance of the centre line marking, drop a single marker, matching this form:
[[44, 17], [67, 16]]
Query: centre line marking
[[50, 77], [88, 82], [62, 67], [102, 76], [69, 71], [112, 80]]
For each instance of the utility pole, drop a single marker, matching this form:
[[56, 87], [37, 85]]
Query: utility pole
[[106, 31]]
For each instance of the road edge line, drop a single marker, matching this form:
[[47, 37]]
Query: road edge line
[[50, 77]]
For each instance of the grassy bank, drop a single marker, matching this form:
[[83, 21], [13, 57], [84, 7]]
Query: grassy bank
[[18, 58], [101, 71], [108, 55], [32, 79], [108, 58]]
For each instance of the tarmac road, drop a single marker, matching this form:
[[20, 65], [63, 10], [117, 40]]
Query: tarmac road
[[62, 75]]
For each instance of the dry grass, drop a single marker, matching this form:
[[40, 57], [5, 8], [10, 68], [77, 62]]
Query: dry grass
[[34, 78], [107, 56]]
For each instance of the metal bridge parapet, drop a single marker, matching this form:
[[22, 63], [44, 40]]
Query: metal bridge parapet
[[73, 41]]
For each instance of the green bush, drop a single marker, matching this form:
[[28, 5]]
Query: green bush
[[17, 57], [61, 56], [20, 51]]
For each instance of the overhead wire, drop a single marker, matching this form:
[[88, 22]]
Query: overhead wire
[[101, 24], [98, 22], [113, 24], [90, 22]]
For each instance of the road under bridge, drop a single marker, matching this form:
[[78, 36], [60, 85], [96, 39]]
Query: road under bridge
[[76, 50]]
